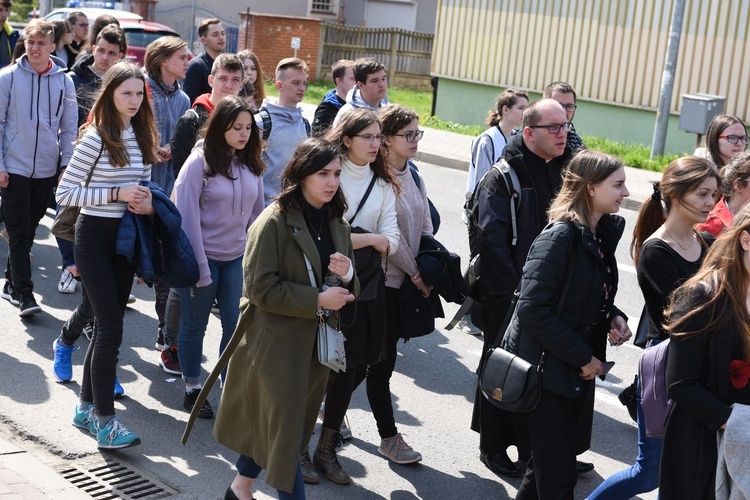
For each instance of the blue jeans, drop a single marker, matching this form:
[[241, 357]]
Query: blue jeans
[[196, 302], [641, 477], [246, 467]]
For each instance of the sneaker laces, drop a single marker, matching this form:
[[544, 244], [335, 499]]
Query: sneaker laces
[[65, 352], [117, 430], [401, 443]]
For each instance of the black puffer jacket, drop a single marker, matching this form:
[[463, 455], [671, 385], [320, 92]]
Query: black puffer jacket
[[87, 85], [573, 338]]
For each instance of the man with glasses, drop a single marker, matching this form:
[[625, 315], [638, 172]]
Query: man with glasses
[[536, 156], [80, 24], [565, 94]]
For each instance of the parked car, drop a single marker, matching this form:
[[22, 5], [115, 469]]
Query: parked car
[[138, 32]]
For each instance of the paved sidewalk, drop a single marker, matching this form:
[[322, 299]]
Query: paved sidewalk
[[24, 476]]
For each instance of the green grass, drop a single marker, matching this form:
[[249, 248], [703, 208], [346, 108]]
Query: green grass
[[633, 154]]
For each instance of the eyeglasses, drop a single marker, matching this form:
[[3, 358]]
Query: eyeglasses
[[554, 128], [370, 137], [734, 139], [569, 107], [412, 136]]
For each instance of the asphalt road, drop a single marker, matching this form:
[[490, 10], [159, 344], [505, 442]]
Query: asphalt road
[[433, 389]]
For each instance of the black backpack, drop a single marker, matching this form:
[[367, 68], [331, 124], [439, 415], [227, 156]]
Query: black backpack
[[264, 123]]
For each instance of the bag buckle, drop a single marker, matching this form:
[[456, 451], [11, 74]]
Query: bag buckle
[[497, 394]]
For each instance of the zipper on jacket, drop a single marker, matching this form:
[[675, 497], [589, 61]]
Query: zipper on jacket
[[36, 141]]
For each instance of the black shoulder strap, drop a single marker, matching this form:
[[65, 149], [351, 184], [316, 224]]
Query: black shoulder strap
[[263, 121], [517, 294], [308, 128], [364, 198], [415, 175]]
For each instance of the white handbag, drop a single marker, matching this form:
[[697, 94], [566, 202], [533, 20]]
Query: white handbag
[[331, 351]]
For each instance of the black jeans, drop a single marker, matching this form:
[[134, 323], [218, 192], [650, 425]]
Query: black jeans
[[25, 201], [81, 316], [107, 278], [378, 376], [553, 427]]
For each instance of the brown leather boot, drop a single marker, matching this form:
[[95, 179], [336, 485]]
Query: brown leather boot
[[324, 458], [308, 470]]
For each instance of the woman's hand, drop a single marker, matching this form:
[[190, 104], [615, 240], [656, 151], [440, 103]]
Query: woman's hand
[[424, 289], [165, 152], [339, 264], [591, 369], [142, 205], [619, 332], [334, 298], [381, 244], [127, 194]]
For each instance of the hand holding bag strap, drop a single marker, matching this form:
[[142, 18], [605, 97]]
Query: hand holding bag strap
[[364, 198]]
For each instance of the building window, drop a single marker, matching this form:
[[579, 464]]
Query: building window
[[321, 5]]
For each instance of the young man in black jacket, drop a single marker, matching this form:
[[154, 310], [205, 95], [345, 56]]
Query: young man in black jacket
[[343, 77], [214, 40], [536, 155]]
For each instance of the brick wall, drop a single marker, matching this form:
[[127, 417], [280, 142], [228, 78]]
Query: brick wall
[[144, 8], [270, 38]]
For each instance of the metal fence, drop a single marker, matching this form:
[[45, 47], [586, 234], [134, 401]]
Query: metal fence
[[185, 19], [401, 51]]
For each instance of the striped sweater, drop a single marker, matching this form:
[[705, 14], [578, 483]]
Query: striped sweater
[[93, 200]]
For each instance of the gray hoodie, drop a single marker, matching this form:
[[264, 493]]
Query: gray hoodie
[[287, 131], [38, 119], [354, 101]]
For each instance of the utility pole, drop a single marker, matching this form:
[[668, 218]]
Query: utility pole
[[667, 79]]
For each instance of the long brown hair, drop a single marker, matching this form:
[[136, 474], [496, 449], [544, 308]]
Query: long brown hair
[[217, 152], [352, 123], [108, 121], [259, 89], [681, 177], [573, 202], [726, 278], [311, 156]]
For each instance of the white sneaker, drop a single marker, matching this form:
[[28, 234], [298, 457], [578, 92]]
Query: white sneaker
[[466, 326], [67, 282], [131, 298]]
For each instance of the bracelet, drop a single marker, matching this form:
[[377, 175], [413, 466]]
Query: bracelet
[[117, 194]]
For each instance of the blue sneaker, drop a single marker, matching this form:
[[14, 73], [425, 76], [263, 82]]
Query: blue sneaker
[[62, 367], [115, 435], [119, 390], [84, 418]]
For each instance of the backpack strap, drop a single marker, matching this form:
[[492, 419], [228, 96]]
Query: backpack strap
[[510, 177], [308, 128], [413, 169], [264, 123]]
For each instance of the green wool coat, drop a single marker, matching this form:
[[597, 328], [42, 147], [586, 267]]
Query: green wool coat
[[275, 383]]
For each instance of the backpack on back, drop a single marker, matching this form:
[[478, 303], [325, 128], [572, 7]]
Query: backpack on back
[[656, 405], [265, 124]]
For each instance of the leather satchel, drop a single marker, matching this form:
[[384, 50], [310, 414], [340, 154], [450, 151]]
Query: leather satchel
[[64, 225], [508, 381]]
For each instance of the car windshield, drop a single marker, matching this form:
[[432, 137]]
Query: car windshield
[[141, 38]]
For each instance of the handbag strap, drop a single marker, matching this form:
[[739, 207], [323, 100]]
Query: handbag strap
[[309, 266], [364, 198], [91, 172], [514, 303]]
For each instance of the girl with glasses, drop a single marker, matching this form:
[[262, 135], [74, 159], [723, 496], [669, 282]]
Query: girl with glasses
[[725, 138], [370, 190]]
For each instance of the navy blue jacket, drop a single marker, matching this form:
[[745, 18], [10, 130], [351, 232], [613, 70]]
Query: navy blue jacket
[[157, 246]]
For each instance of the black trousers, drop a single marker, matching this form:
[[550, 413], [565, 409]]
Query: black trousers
[[81, 316], [107, 278], [553, 428], [378, 376], [25, 201]]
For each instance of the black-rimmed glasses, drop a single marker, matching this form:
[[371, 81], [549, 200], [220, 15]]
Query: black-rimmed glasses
[[569, 107], [412, 136], [734, 139], [554, 128]]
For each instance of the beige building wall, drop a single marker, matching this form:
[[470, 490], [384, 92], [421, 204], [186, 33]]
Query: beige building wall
[[611, 51]]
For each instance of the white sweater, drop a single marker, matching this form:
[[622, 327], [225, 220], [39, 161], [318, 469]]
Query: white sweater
[[378, 214]]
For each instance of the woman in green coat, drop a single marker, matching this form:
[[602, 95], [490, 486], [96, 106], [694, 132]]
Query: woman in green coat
[[275, 382]]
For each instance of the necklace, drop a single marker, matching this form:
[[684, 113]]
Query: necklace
[[319, 231], [692, 237]]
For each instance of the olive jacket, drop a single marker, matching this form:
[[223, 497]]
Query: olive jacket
[[274, 382]]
